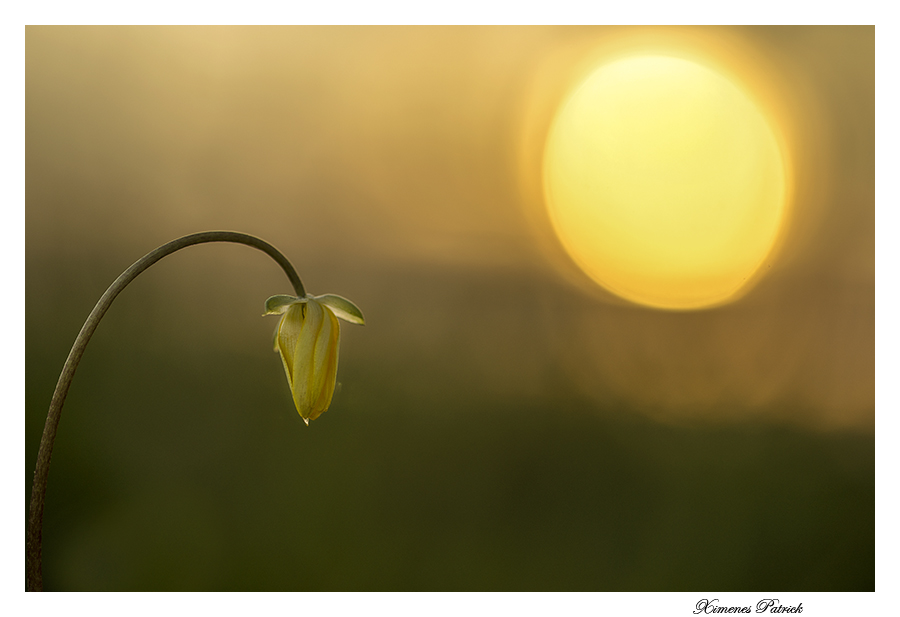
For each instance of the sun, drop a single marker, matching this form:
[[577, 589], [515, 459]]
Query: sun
[[665, 182]]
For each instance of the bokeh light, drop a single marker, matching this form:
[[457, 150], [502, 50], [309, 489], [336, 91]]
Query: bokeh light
[[664, 182]]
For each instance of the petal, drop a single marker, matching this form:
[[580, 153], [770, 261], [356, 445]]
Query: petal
[[329, 345], [320, 354], [343, 308], [304, 361], [287, 336], [276, 305]]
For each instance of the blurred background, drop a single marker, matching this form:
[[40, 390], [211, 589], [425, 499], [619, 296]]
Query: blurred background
[[501, 422]]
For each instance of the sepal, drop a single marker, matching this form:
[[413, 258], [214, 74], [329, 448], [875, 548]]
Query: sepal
[[342, 308], [276, 305]]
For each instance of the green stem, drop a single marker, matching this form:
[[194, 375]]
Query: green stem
[[33, 572]]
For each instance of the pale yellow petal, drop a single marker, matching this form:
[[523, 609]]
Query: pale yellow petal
[[320, 356], [303, 358], [275, 334], [327, 364], [289, 331]]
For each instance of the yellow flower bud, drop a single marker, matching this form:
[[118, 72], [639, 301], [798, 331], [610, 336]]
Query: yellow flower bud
[[307, 337]]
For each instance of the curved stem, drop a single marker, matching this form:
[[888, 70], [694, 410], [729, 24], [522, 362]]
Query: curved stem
[[33, 573]]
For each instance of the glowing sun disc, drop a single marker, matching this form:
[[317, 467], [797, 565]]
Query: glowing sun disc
[[664, 182]]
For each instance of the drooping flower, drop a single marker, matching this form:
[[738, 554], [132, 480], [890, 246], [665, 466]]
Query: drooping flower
[[307, 337]]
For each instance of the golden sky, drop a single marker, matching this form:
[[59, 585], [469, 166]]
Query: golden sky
[[377, 155]]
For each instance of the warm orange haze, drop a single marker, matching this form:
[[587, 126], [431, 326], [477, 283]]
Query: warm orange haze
[[618, 287]]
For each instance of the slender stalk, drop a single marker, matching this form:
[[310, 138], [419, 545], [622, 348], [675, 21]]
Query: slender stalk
[[33, 572]]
